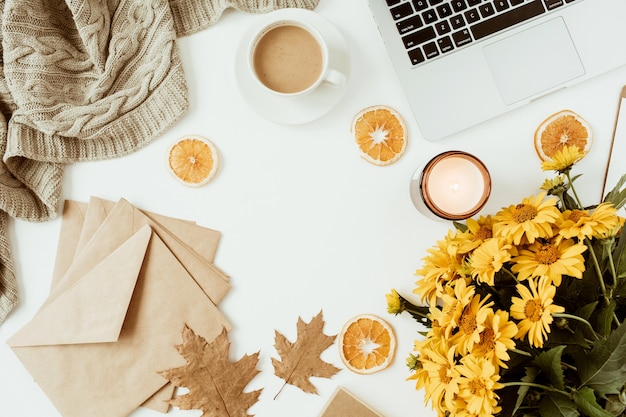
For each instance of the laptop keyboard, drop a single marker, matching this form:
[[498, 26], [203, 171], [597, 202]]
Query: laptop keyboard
[[432, 28]]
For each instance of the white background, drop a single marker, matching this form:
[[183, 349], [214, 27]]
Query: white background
[[307, 225]]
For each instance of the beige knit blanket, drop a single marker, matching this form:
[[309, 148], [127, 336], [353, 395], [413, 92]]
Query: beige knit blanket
[[83, 80]]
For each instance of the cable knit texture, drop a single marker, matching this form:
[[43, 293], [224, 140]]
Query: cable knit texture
[[191, 16], [84, 80]]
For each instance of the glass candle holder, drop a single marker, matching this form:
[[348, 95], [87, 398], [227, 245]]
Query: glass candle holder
[[453, 185]]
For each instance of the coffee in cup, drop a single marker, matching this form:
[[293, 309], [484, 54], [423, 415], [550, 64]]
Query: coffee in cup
[[291, 58]]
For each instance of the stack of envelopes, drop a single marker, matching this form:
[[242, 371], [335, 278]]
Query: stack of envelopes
[[125, 283]]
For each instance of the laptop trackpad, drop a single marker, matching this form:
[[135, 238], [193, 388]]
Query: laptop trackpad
[[533, 61]]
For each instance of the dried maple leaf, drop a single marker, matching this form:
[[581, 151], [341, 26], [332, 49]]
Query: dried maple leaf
[[215, 384], [301, 360]]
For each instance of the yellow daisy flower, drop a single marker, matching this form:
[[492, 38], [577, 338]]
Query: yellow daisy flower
[[420, 376], [436, 332], [440, 364], [477, 386], [481, 229], [461, 411], [458, 408], [608, 223], [471, 323], [551, 259], [460, 243], [496, 339], [563, 159], [394, 303], [532, 219], [555, 186], [534, 309], [454, 302], [488, 259], [440, 267], [576, 224]]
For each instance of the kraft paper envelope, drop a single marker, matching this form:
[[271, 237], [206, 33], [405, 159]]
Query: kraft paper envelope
[[197, 240], [81, 220], [203, 240], [96, 346], [128, 219], [72, 223]]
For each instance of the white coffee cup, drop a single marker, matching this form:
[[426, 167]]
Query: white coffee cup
[[289, 57]]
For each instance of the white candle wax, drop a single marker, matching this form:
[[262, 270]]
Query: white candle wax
[[455, 185]]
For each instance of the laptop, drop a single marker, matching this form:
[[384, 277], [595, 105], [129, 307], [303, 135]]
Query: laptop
[[462, 62]]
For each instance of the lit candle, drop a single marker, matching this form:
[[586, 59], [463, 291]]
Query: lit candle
[[453, 185]]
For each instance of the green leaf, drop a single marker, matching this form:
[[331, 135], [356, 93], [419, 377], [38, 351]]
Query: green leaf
[[586, 310], [604, 368], [619, 254], [531, 374], [460, 226], [620, 247], [550, 363], [569, 202], [560, 337], [619, 199], [575, 177], [620, 289], [604, 320], [557, 405], [588, 287], [617, 196], [585, 399]]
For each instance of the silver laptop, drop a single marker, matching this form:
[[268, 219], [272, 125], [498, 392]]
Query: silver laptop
[[461, 62]]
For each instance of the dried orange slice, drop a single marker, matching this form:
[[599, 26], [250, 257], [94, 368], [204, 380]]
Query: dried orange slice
[[380, 133], [193, 160], [562, 128], [367, 344]]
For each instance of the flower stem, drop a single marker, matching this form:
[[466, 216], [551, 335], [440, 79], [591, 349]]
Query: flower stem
[[594, 258], [534, 385], [580, 319], [568, 366], [571, 185], [511, 274], [613, 270], [596, 266], [521, 352], [614, 283], [414, 310]]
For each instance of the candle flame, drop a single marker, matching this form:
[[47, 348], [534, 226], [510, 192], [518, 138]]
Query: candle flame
[[454, 186]]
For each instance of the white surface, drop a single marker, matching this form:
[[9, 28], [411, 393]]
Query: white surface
[[307, 224]]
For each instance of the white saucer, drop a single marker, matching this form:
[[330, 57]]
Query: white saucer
[[301, 109]]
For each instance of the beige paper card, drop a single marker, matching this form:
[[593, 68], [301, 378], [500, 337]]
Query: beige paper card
[[345, 404]]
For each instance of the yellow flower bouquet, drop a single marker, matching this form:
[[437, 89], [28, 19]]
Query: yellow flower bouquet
[[523, 312]]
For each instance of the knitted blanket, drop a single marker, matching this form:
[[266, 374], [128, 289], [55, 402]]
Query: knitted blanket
[[84, 80]]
